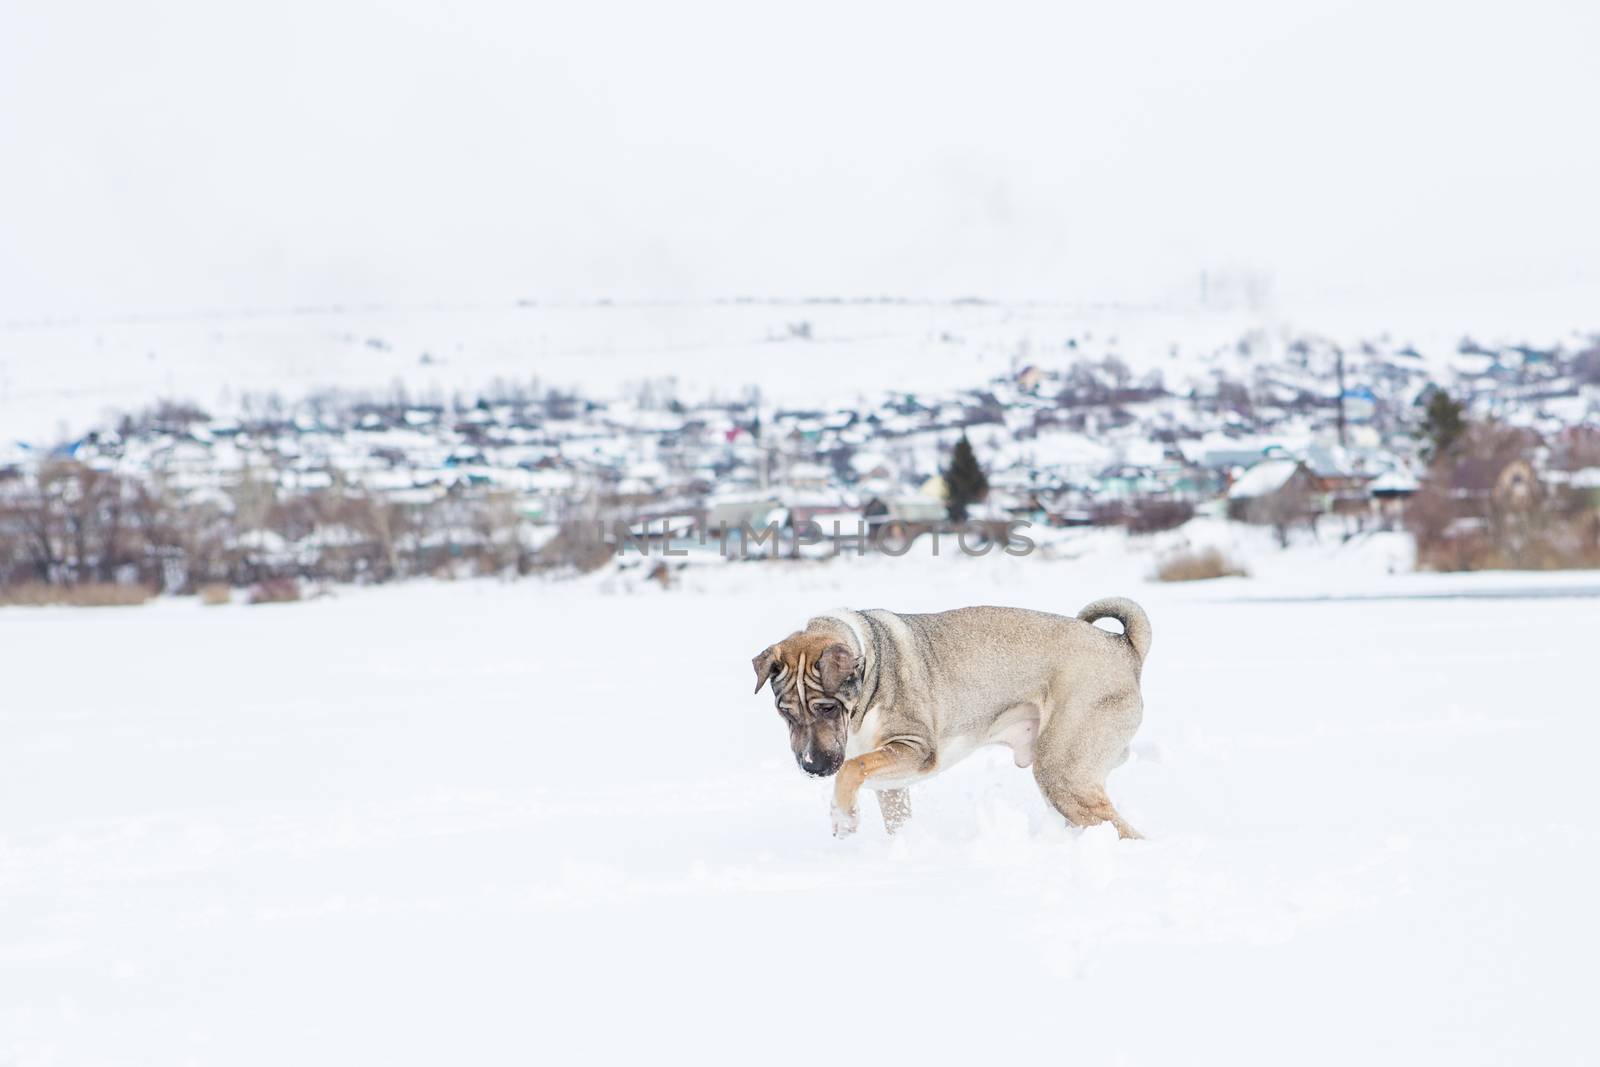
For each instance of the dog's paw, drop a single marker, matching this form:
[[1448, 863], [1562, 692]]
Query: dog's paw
[[845, 823]]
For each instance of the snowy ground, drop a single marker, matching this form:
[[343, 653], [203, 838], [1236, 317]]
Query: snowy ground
[[484, 823], [58, 378]]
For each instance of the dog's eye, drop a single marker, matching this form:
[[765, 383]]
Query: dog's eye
[[826, 708]]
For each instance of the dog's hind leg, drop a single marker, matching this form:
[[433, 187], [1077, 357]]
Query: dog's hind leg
[[1088, 805], [895, 807], [1077, 750]]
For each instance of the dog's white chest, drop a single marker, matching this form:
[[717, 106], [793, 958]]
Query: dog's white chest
[[864, 738]]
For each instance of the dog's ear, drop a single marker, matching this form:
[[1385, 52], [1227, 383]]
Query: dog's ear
[[764, 664], [836, 664]]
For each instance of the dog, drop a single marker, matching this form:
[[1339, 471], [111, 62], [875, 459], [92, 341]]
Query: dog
[[886, 701]]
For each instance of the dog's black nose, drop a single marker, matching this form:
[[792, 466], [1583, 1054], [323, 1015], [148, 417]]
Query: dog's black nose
[[820, 766]]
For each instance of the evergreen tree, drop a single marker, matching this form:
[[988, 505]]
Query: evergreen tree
[[1442, 426], [964, 481]]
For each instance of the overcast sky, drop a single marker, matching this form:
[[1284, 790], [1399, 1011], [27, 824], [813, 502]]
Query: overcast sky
[[165, 157]]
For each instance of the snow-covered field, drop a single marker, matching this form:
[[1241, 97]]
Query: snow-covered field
[[68, 375], [548, 823]]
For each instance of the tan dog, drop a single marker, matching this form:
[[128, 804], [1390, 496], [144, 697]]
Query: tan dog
[[886, 700]]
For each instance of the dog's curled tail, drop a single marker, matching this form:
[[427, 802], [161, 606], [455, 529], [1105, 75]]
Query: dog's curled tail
[[1135, 623]]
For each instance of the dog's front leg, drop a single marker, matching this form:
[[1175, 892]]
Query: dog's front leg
[[898, 759]]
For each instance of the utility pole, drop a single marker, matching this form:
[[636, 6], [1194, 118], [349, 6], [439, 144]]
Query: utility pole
[[756, 434], [1338, 364]]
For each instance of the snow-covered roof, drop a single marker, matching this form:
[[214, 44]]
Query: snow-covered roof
[[260, 540], [806, 472], [1395, 481], [865, 462], [1264, 478], [1330, 461]]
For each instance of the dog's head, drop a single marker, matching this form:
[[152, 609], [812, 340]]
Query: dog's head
[[815, 685]]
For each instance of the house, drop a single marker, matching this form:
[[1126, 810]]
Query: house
[[1221, 452], [1029, 378], [1517, 486], [734, 510], [915, 509], [1127, 482], [1341, 477], [808, 476], [1276, 492], [871, 466], [1390, 491], [653, 536]]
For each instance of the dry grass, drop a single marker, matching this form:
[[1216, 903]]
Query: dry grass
[[275, 591], [1533, 540], [215, 594], [84, 595], [1485, 554], [1196, 566]]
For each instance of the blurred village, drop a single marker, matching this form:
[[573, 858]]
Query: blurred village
[[1489, 454]]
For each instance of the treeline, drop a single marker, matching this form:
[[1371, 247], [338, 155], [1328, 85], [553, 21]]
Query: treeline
[[1499, 497], [70, 524]]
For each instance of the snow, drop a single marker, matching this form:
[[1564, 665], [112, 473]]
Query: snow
[[63, 377], [71, 374], [1395, 481], [482, 822], [1587, 478], [1263, 479]]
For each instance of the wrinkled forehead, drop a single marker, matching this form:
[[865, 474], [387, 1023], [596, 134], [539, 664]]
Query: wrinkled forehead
[[798, 674]]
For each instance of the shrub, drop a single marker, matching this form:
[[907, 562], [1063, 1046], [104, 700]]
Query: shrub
[[275, 591], [1156, 515], [1194, 566], [214, 594], [1108, 513], [83, 595], [576, 545], [1482, 506]]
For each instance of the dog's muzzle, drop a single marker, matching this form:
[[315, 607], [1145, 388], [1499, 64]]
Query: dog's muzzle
[[819, 765]]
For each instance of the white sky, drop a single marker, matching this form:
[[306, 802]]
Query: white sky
[[164, 157]]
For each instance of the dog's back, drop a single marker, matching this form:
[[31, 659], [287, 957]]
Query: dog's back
[[1009, 647]]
